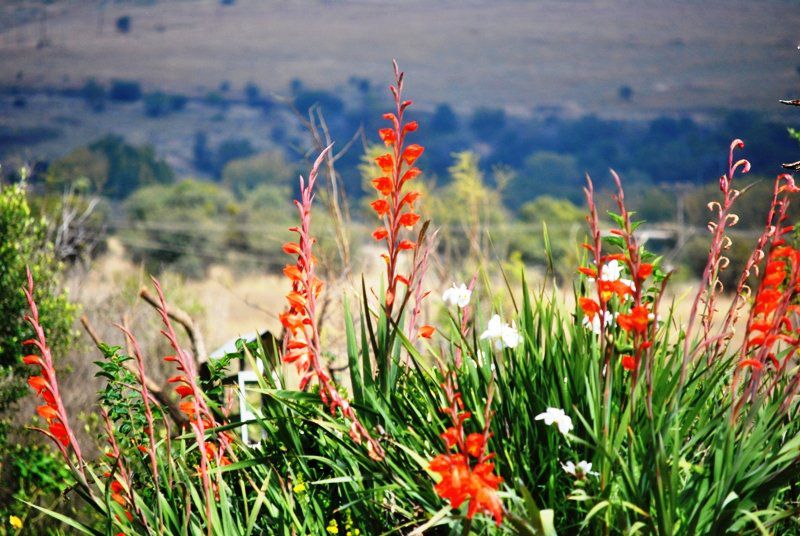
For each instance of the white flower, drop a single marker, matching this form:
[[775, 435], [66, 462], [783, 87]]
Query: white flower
[[458, 296], [503, 335], [611, 271], [558, 417], [594, 324], [579, 471]]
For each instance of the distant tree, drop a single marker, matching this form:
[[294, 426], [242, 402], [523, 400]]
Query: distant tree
[[564, 221], [444, 119], [202, 155], [231, 149], [183, 226], [625, 93], [545, 173], [487, 122], [125, 90], [81, 168], [94, 94], [159, 104], [329, 102], [243, 175], [109, 166], [123, 24], [479, 207], [253, 94]]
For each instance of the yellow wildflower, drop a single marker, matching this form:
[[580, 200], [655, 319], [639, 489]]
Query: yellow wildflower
[[15, 522]]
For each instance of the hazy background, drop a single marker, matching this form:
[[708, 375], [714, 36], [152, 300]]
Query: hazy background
[[181, 126]]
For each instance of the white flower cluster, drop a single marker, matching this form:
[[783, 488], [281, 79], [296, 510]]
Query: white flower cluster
[[457, 295], [558, 417], [580, 470], [501, 334]]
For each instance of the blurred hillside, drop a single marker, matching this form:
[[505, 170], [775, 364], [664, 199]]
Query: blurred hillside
[[574, 55]]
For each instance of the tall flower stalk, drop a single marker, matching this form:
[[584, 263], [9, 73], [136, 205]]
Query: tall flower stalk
[[395, 205], [302, 342], [45, 384]]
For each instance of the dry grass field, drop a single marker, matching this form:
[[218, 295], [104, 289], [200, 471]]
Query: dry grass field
[[687, 55]]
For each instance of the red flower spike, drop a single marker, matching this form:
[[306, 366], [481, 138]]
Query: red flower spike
[[184, 391], [383, 184], [48, 413], [628, 362], [474, 444], [645, 271], [411, 153], [290, 248], [589, 306], [388, 136], [636, 321], [409, 219], [385, 162], [412, 173], [31, 360], [427, 331], [381, 207], [301, 345], [406, 245]]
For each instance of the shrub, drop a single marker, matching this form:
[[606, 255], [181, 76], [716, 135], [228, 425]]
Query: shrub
[[23, 242], [123, 24], [95, 95], [125, 90], [159, 104], [111, 166], [244, 174]]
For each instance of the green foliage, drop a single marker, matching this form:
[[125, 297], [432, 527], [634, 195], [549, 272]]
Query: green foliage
[[270, 168], [183, 225], [546, 173], [563, 223], [23, 243], [109, 166]]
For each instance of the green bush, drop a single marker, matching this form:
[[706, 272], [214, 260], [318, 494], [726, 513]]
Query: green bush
[[23, 244]]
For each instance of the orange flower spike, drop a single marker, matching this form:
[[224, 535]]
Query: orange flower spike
[[32, 360], [384, 185], [474, 444], [590, 307], [628, 362], [636, 321], [409, 219], [410, 174], [293, 272], [386, 163], [645, 271], [38, 383], [426, 331], [406, 245], [380, 233], [411, 153], [388, 136], [381, 207], [291, 248], [48, 413]]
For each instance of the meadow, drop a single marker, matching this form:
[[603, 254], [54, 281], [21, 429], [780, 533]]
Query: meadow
[[466, 404]]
